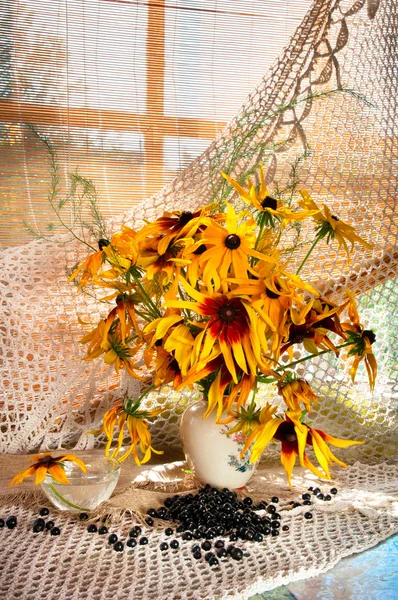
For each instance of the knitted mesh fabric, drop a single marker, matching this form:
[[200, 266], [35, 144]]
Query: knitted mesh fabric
[[52, 398]]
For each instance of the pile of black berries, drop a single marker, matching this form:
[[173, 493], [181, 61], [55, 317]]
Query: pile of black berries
[[215, 513]]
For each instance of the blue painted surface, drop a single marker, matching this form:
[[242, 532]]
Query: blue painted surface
[[371, 575]]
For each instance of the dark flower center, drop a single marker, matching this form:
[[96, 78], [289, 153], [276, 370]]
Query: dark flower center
[[102, 243], [121, 297], [269, 202], [46, 461], [368, 333], [335, 218], [158, 342], [271, 294], [185, 217], [228, 313], [202, 248], [174, 366], [232, 241], [286, 433]]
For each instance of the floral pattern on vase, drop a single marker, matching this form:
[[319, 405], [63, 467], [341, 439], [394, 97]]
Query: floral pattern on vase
[[213, 456]]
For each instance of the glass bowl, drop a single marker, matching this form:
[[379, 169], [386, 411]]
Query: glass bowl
[[86, 491]]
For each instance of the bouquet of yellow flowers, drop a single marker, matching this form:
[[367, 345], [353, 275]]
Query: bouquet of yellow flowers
[[206, 298]]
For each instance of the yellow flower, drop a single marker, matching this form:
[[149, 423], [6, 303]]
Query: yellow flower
[[89, 269], [116, 351], [273, 294], [127, 413], [294, 437], [47, 464], [263, 202], [227, 250], [294, 391], [330, 226], [172, 226], [228, 324], [362, 341], [250, 418]]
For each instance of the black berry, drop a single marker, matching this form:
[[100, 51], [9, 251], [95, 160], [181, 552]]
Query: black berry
[[174, 544], [149, 521], [221, 552], [206, 545], [12, 522], [55, 531], [164, 546], [119, 546], [285, 528], [275, 499], [168, 531], [44, 512], [131, 542], [306, 496], [38, 525], [83, 516], [144, 541], [152, 512], [50, 524], [135, 532], [219, 544], [333, 491], [103, 530], [236, 554], [2, 523], [197, 555], [213, 561], [308, 515], [247, 501], [112, 538], [92, 528], [274, 532], [320, 496]]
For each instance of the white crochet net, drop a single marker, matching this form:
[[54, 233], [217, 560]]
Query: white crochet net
[[52, 398], [79, 565]]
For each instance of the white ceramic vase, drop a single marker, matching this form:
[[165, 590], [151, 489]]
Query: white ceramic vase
[[213, 456]]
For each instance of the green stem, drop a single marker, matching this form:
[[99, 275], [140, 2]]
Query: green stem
[[296, 362], [66, 501], [149, 389], [151, 307], [308, 254]]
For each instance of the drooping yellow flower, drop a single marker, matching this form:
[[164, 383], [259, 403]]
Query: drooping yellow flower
[[116, 351], [295, 390], [294, 437], [362, 341], [47, 464], [330, 226], [127, 413], [88, 269]]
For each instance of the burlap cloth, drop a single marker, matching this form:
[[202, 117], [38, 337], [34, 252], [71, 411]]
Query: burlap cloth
[[82, 566]]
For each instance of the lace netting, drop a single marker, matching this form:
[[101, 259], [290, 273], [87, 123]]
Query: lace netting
[[52, 397]]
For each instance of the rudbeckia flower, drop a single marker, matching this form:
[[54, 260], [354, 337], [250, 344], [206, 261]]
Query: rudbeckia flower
[[330, 226], [89, 268], [311, 325], [228, 324], [262, 201], [362, 341], [295, 390], [172, 226], [250, 418], [294, 437], [116, 351], [127, 413], [273, 294], [47, 464], [227, 248]]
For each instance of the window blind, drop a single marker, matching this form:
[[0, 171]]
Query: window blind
[[127, 92]]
